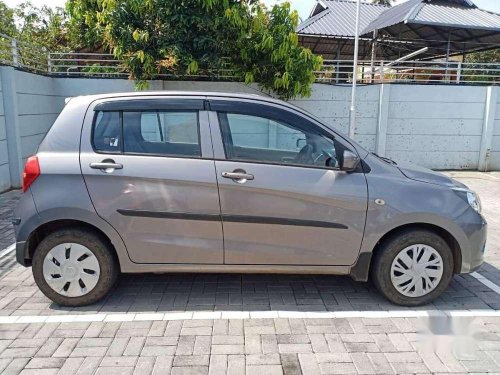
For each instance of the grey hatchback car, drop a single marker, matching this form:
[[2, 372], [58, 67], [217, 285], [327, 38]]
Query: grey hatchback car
[[216, 182]]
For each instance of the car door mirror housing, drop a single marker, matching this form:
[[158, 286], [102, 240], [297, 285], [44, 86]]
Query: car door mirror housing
[[350, 161]]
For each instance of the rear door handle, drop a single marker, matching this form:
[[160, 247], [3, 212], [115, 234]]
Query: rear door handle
[[239, 176], [106, 166]]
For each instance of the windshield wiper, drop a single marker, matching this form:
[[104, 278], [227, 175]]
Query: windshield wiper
[[387, 160]]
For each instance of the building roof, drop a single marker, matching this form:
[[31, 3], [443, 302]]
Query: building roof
[[338, 17], [438, 13], [457, 25]]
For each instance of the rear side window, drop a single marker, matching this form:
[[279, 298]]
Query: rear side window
[[107, 136], [169, 133]]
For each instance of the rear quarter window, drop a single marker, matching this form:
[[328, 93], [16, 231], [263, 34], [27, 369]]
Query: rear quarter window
[[149, 132], [107, 132]]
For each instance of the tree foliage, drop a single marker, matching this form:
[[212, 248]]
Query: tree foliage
[[43, 27], [492, 56], [83, 27], [202, 37], [7, 25]]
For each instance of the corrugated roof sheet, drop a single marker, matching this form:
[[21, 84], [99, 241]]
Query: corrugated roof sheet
[[392, 16], [339, 19], [457, 16], [439, 13]]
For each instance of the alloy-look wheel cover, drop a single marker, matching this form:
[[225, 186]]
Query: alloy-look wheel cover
[[71, 269], [416, 270]]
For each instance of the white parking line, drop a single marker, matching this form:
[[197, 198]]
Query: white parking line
[[194, 315], [494, 287], [8, 250]]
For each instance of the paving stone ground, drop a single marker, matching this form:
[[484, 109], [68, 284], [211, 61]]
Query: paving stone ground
[[354, 345]]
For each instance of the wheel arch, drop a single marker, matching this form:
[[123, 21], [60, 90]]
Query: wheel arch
[[363, 267], [47, 228]]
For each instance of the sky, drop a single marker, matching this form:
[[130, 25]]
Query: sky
[[303, 6]]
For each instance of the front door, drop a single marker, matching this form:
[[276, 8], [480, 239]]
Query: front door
[[148, 165], [280, 202]]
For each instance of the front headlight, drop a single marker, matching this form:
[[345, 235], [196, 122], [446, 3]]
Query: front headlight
[[470, 197]]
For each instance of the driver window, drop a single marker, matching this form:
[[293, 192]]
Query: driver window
[[254, 138]]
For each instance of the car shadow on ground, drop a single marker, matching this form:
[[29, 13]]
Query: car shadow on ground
[[151, 293]]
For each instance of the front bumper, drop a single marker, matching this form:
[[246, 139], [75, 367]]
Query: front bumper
[[473, 251]]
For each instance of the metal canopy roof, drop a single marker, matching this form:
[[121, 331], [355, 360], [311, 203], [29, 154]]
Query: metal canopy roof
[[440, 13], [437, 24], [434, 23], [330, 30], [338, 18]]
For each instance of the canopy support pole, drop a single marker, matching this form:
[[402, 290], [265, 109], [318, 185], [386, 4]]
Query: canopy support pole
[[447, 75], [337, 70], [352, 112], [374, 56]]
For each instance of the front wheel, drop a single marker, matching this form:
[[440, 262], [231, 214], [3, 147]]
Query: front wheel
[[74, 267], [413, 268]]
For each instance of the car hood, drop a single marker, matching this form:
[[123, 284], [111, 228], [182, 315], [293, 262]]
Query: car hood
[[422, 174]]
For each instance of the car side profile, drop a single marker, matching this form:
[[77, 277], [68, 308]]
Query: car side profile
[[219, 182]]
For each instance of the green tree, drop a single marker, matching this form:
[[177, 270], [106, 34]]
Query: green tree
[[476, 68], [84, 30], [382, 2], [7, 25], [41, 26], [492, 56], [37, 30], [202, 37]]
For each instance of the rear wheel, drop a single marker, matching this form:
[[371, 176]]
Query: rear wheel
[[74, 267], [413, 268]]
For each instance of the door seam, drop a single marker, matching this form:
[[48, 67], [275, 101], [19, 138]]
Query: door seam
[[218, 189]]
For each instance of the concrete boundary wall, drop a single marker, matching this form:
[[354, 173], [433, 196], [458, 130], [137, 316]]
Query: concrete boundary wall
[[440, 127], [4, 153]]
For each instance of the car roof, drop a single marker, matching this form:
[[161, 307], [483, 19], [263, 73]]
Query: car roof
[[167, 93]]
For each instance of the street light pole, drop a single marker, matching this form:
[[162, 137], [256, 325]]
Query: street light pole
[[352, 112]]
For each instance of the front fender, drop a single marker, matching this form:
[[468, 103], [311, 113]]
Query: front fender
[[402, 201]]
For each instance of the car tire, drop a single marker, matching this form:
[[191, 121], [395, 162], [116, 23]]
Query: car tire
[[390, 267], [97, 266]]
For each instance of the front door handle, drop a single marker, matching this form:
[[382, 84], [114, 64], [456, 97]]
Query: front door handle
[[107, 165], [238, 175]]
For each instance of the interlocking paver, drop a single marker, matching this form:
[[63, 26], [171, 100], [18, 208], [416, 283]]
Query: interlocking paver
[[41, 363], [134, 346], [114, 370], [197, 370], [264, 370], [337, 368], [380, 363], [70, 366], [263, 359], [144, 366], [202, 345], [89, 365], [162, 365]]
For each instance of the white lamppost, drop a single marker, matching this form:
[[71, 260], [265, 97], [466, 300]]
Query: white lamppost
[[352, 112]]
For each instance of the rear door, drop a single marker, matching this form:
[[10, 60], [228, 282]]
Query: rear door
[[148, 165], [280, 203]]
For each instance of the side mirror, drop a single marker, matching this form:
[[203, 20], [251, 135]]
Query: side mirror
[[350, 161]]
